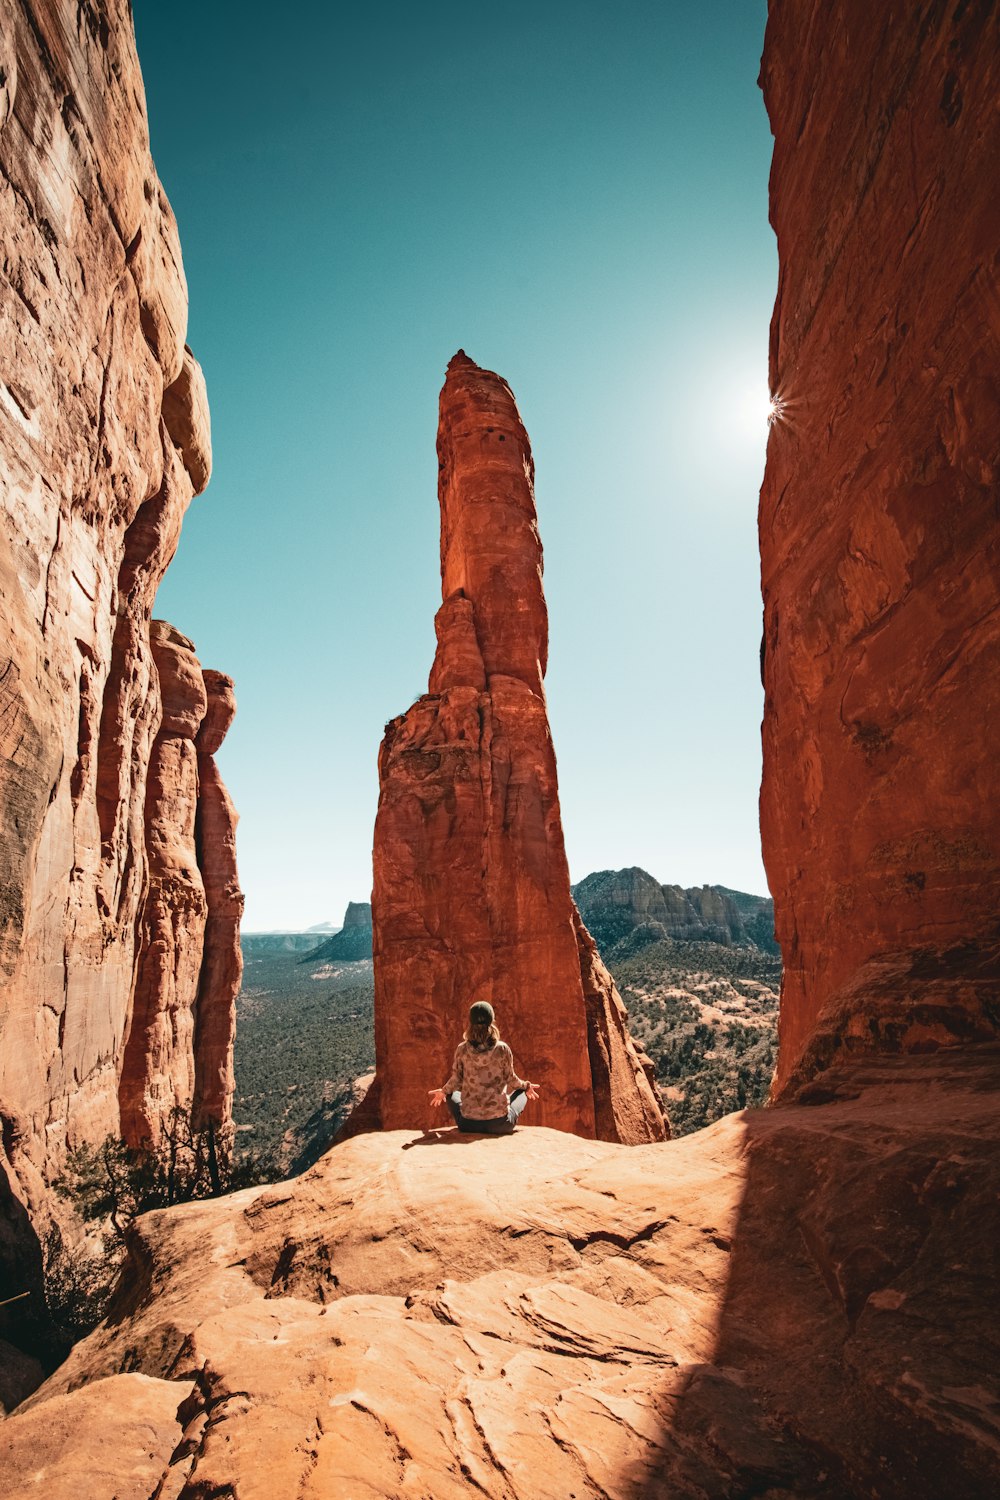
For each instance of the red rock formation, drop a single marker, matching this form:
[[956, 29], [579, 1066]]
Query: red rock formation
[[222, 960], [104, 438], [157, 1070], [617, 904], [879, 531], [471, 897], [179, 1049]]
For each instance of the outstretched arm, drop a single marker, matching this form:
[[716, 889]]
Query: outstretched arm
[[437, 1096], [512, 1082]]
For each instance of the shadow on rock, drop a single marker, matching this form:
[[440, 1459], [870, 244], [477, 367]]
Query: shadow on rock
[[856, 1343]]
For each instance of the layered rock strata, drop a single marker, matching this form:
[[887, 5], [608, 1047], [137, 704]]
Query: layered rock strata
[[794, 1302], [104, 439], [471, 894], [880, 528], [616, 904]]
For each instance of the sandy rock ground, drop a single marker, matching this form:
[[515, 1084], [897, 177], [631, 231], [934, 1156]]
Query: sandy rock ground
[[793, 1302]]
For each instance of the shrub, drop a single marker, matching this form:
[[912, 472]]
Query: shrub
[[110, 1185]]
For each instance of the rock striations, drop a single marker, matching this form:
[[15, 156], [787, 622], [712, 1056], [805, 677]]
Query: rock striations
[[179, 1048], [471, 895], [118, 896], [880, 529]]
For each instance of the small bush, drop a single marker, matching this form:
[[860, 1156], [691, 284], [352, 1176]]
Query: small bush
[[110, 1185], [79, 1280]]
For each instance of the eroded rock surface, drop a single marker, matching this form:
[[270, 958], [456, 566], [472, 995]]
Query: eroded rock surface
[[879, 530], [799, 1302], [222, 956], [104, 439], [179, 1048], [471, 894]]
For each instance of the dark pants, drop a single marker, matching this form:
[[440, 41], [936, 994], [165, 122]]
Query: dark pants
[[503, 1125]]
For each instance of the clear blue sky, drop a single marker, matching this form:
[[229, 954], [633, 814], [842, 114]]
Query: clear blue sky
[[576, 194]]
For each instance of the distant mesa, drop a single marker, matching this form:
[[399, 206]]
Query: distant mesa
[[259, 944], [353, 941], [626, 910]]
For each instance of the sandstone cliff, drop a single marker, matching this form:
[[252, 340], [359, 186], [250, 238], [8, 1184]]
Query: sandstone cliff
[[104, 439], [471, 895], [179, 1048], [879, 530]]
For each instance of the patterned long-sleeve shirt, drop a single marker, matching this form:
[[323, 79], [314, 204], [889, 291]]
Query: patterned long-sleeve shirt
[[485, 1079]]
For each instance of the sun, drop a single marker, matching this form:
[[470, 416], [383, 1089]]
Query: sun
[[751, 409]]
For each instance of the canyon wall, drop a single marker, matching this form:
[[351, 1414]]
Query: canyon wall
[[106, 787], [880, 527], [471, 896]]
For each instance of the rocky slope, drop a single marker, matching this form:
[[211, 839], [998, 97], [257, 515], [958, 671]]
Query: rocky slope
[[707, 1017], [471, 896], [879, 526], [104, 439], [618, 905], [797, 1302]]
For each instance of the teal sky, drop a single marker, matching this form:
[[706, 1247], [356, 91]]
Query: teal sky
[[577, 196]]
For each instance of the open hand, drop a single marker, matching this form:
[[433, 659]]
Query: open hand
[[436, 1097], [532, 1090]]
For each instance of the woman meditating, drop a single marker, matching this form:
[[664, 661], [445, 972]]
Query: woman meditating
[[484, 1093]]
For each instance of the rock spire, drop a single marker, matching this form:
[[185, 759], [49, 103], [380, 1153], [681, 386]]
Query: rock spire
[[471, 886]]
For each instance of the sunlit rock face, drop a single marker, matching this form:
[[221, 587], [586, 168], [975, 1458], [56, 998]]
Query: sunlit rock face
[[880, 528], [471, 893], [104, 439]]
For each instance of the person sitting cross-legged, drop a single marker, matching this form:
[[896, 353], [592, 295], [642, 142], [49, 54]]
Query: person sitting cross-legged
[[484, 1094]]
